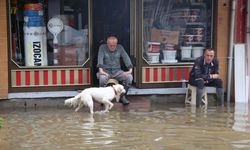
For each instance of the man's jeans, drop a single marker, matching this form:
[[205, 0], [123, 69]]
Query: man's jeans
[[120, 75], [200, 84]]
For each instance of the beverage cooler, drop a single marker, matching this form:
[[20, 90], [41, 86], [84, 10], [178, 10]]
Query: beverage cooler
[[173, 35]]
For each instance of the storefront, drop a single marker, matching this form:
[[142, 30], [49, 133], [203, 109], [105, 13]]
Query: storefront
[[53, 45]]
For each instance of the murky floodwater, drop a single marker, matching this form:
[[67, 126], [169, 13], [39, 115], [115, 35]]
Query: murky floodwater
[[160, 127]]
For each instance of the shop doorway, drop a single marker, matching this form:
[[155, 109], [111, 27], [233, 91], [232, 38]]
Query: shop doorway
[[110, 17]]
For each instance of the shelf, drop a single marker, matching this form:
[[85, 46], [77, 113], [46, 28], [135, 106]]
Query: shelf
[[196, 23], [172, 64], [198, 4], [191, 43], [188, 60]]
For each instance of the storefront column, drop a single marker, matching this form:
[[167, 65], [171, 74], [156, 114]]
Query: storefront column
[[222, 36], [3, 52]]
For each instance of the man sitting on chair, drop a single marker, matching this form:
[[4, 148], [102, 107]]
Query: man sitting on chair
[[109, 65], [205, 72]]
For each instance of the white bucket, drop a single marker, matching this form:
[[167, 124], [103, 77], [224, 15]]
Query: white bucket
[[35, 46], [169, 54], [153, 57], [186, 51], [197, 51]]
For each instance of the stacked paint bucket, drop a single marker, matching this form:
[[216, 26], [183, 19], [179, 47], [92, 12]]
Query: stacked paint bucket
[[35, 42]]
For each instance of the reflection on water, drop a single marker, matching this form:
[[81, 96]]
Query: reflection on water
[[160, 127], [241, 117]]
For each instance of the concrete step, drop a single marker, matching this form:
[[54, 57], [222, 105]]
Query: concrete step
[[132, 91]]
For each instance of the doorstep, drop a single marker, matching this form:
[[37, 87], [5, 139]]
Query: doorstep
[[132, 91]]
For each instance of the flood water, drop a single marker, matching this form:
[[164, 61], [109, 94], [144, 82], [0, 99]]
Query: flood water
[[151, 127]]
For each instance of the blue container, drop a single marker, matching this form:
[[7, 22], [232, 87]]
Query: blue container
[[31, 13], [34, 21], [34, 24], [33, 18]]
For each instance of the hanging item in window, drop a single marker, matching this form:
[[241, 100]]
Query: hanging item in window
[[35, 42], [55, 26]]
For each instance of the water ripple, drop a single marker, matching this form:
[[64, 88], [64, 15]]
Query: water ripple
[[160, 128]]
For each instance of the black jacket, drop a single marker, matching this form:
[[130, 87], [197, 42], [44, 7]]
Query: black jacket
[[202, 70]]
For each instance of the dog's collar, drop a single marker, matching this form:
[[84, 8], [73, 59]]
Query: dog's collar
[[114, 90]]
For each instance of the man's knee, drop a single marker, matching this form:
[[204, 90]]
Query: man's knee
[[199, 83], [125, 78], [129, 79], [103, 79], [219, 83]]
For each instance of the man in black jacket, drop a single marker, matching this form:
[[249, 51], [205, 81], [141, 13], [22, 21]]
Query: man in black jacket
[[205, 72]]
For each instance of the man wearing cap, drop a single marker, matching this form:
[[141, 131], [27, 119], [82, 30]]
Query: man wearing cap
[[205, 72], [109, 65]]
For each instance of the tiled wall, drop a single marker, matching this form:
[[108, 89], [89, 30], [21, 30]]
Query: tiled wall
[[3, 51]]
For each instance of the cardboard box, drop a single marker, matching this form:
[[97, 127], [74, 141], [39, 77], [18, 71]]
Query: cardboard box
[[67, 56], [165, 36]]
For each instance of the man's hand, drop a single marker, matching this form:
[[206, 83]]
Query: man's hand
[[129, 71], [214, 76], [101, 71]]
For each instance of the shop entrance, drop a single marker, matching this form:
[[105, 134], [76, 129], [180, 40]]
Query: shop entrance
[[110, 17]]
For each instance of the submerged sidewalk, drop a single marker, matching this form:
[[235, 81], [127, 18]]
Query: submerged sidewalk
[[136, 102], [132, 91]]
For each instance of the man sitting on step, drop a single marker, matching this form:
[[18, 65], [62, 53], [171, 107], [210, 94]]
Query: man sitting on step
[[205, 72], [109, 65]]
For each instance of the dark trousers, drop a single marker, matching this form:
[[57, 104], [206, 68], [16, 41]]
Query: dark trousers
[[200, 84]]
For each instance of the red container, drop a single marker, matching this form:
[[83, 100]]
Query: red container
[[154, 47], [33, 7]]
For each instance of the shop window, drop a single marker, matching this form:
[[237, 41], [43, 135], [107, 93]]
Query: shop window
[[49, 32], [176, 31]]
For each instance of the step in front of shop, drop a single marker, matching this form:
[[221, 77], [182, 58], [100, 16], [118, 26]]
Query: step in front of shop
[[132, 91]]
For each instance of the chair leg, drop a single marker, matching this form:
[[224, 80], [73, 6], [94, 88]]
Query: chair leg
[[190, 97], [186, 97], [204, 97], [193, 97]]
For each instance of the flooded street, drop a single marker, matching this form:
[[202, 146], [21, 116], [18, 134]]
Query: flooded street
[[151, 127]]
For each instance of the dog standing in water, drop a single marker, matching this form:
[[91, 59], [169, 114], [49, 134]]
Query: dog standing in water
[[100, 94]]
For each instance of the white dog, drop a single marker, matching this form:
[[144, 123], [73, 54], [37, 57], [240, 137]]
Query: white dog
[[100, 94]]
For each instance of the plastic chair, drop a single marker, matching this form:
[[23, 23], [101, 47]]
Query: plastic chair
[[191, 95]]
